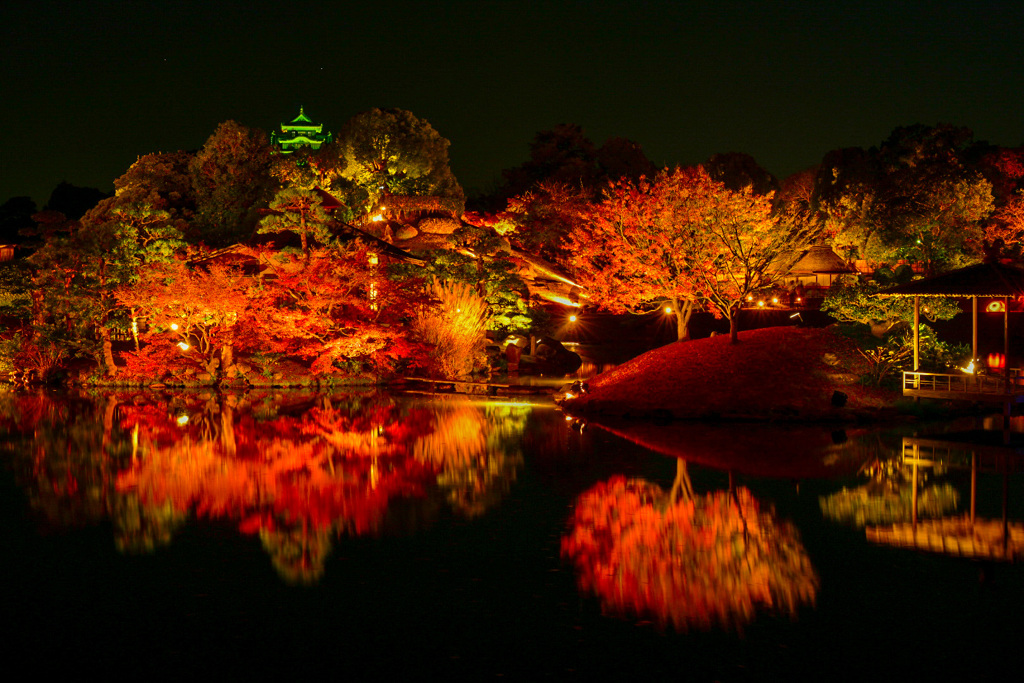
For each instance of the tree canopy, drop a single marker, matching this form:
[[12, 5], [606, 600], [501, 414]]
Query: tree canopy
[[682, 237], [391, 151]]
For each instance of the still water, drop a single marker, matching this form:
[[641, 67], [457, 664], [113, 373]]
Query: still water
[[365, 535]]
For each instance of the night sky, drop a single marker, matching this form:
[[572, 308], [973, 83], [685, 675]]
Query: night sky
[[89, 86]]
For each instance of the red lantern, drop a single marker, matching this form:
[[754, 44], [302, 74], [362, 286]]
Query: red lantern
[[996, 361]]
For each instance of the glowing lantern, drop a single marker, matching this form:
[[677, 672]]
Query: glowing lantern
[[182, 420], [761, 304], [996, 361], [969, 369], [668, 309], [995, 307], [174, 326], [572, 318], [183, 346], [775, 299]]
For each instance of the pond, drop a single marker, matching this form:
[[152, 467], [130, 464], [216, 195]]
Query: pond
[[370, 535]]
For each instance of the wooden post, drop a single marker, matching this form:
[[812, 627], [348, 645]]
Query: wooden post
[[917, 334], [1006, 340], [913, 483], [974, 484], [1007, 388], [974, 328]]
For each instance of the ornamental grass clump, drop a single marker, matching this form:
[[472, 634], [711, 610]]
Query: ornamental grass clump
[[455, 327]]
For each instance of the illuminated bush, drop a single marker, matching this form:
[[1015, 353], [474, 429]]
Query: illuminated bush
[[456, 328]]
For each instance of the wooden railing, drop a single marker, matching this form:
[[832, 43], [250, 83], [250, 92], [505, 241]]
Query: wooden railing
[[995, 385]]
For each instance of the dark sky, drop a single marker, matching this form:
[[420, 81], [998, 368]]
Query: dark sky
[[89, 86]]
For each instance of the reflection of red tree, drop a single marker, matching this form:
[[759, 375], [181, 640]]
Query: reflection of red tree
[[693, 563], [290, 480], [294, 474]]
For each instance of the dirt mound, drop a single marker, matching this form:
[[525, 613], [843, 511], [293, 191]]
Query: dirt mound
[[773, 373]]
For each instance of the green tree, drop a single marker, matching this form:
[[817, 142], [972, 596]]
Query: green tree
[[299, 211], [162, 182], [854, 300], [391, 151], [916, 198], [738, 171], [231, 180], [78, 274]]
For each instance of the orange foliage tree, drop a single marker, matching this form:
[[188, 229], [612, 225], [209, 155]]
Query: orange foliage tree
[[1007, 223], [333, 307], [686, 560], [681, 237], [192, 316]]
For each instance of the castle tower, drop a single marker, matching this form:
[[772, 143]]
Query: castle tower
[[301, 131]]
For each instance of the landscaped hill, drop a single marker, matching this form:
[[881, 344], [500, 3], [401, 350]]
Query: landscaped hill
[[773, 373]]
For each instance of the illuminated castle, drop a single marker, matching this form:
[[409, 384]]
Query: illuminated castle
[[301, 131]]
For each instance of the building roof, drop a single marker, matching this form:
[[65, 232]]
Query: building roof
[[984, 279], [301, 118], [820, 259]]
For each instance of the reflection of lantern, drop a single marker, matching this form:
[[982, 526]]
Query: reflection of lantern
[[995, 307], [996, 361]]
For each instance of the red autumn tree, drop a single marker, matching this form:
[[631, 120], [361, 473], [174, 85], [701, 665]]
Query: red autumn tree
[[189, 311], [1007, 223], [336, 306], [681, 237], [685, 560], [631, 249], [539, 220]]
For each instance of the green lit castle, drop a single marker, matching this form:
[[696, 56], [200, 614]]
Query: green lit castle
[[301, 131]]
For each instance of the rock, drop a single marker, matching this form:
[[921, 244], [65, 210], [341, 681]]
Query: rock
[[551, 358], [438, 226], [406, 232]]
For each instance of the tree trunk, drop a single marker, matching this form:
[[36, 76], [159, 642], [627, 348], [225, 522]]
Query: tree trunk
[[227, 359], [108, 352], [734, 325], [227, 430], [684, 311], [682, 488]]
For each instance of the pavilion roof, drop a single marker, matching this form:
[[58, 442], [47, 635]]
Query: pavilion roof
[[302, 118], [984, 279], [821, 259]]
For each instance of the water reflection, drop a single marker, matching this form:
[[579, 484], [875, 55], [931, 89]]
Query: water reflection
[[966, 534], [755, 449], [298, 470], [686, 560], [893, 493]]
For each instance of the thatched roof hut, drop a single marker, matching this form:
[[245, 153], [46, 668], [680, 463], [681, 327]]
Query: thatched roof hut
[[818, 265]]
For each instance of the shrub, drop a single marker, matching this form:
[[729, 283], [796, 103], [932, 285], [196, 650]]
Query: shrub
[[455, 327]]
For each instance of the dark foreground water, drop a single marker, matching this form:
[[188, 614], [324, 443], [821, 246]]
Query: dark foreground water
[[365, 536]]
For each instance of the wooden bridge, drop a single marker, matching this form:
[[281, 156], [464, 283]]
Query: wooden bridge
[[1000, 388]]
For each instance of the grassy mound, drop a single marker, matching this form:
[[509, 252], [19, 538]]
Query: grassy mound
[[773, 373]]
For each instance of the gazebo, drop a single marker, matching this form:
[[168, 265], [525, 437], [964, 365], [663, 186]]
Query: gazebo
[[816, 264], [991, 279]]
